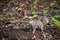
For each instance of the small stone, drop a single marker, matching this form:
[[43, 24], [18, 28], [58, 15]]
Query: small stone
[[4, 9], [19, 8], [34, 37], [41, 7], [16, 8]]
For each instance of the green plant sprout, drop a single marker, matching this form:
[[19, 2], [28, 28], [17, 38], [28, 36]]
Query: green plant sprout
[[25, 17], [34, 13], [31, 6], [2, 14], [57, 16], [35, 16], [53, 4], [57, 12], [12, 18], [45, 12], [56, 22], [35, 2]]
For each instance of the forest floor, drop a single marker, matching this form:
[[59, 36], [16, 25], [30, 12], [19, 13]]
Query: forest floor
[[13, 12]]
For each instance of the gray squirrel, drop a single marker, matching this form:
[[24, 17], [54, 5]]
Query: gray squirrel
[[38, 23]]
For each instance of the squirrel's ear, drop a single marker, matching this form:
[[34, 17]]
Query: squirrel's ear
[[45, 20]]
